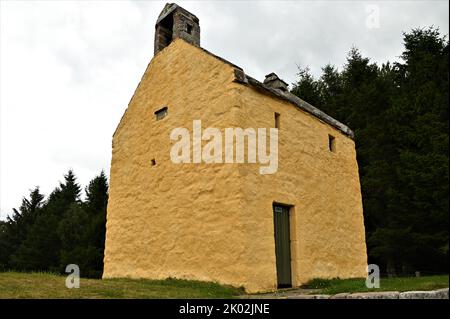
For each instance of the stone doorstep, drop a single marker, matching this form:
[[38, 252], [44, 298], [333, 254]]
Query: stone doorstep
[[359, 295], [374, 295], [309, 297], [342, 295], [432, 294]]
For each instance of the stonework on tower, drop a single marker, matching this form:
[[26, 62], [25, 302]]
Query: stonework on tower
[[175, 22]]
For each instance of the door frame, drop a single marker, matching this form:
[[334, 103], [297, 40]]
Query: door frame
[[292, 241]]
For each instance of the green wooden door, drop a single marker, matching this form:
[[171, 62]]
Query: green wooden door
[[282, 245]]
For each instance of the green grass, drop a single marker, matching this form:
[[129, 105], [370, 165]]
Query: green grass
[[45, 285], [334, 286]]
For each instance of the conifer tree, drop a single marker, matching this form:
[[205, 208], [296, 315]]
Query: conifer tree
[[41, 248], [399, 113], [18, 225]]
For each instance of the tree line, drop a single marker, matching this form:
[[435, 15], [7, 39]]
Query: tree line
[[399, 113], [47, 235]]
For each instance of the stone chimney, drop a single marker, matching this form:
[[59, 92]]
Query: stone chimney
[[272, 80], [175, 22]]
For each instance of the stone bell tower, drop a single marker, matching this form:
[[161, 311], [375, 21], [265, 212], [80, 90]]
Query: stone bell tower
[[175, 22]]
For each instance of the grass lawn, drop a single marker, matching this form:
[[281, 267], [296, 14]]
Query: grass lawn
[[45, 285], [334, 286]]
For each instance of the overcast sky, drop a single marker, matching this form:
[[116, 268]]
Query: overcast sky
[[68, 69]]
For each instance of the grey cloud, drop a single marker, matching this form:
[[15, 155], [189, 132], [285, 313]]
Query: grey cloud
[[68, 69]]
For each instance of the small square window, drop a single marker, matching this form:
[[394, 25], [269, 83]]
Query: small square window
[[331, 143], [161, 113]]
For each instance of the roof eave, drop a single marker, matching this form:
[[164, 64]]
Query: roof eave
[[241, 77]]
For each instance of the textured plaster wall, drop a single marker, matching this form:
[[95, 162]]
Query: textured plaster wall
[[214, 222], [327, 226], [174, 220]]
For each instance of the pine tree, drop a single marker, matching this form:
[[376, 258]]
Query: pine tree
[[18, 225], [82, 231], [41, 249], [4, 249], [420, 113], [399, 114], [96, 204], [307, 87]]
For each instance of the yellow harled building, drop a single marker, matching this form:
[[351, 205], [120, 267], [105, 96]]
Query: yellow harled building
[[227, 221]]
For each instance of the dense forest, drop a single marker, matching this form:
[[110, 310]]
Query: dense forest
[[48, 235], [399, 113]]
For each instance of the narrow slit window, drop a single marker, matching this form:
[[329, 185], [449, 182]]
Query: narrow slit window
[[189, 29], [153, 162], [277, 120], [331, 143], [161, 113]]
